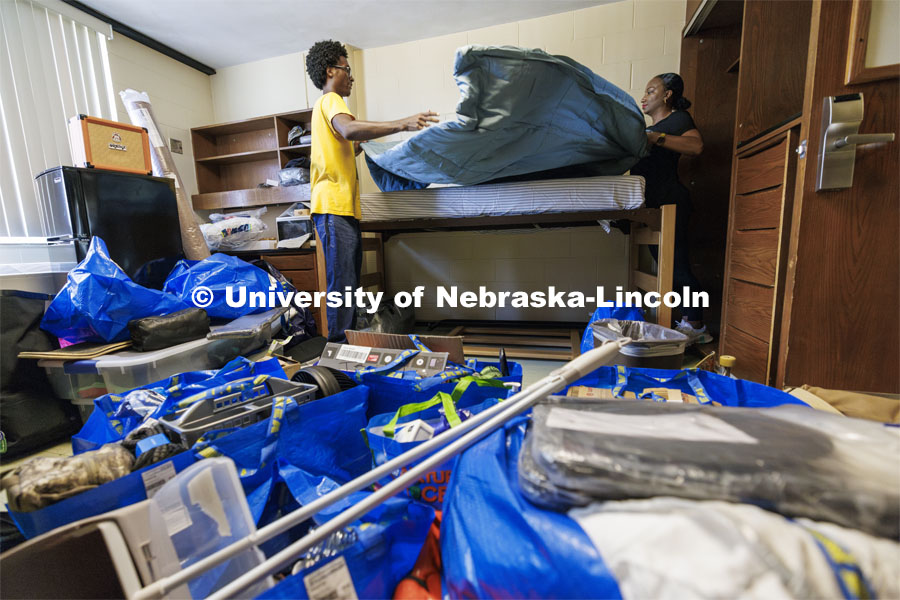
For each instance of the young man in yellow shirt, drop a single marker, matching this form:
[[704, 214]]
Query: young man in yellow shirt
[[333, 177]]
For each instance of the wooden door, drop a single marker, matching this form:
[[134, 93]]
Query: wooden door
[[841, 318]]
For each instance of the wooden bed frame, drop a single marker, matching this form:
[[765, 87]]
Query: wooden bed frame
[[649, 226]]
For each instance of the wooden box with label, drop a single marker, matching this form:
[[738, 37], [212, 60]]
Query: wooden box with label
[[101, 144]]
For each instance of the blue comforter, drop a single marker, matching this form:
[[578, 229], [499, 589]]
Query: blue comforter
[[521, 111]]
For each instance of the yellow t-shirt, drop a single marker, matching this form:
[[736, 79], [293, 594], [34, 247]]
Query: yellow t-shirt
[[333, 177]]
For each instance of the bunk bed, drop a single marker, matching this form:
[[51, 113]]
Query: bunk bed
[[545, 203]]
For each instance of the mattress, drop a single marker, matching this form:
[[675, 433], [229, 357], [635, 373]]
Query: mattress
[[586, 194]]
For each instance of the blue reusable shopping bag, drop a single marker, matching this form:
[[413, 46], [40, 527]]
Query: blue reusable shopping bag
[[99, 300], [431, 487], [218, 273], [496, 544], [111, 421], [705, 386], [312, 448], [393, 386], [622, 313], [387, 542], [134, 487], [389, 393]]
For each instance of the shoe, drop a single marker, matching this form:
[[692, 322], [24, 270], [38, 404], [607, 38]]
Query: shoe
[[695, 336]]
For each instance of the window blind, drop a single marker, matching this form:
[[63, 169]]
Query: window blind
[[52, 68]]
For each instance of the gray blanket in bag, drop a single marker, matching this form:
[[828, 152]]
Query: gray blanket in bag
[[521, 111]]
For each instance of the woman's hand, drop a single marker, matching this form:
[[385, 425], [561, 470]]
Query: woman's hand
[[689, 143]]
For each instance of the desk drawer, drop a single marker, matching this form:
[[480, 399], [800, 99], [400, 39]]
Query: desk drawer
[[762, 170], [304, 281], [752, 355], [750, 308], [760, 210], [293, 262], [753, 256]]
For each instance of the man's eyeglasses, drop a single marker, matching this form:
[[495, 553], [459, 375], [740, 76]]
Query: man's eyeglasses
[[343, 68]]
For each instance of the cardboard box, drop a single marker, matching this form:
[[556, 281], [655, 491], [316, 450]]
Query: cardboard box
[[350, 357], [101, 144], [452, 345]]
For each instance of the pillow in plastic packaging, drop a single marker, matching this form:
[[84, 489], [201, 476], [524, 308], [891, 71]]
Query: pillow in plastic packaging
[[99, 299], [793, 460]]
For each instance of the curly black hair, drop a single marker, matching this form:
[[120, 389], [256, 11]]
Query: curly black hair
[[321, 56]]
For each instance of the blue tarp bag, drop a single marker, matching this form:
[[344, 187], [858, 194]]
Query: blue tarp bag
[[705, 386], [218, 273], [118, 493], [99, 300], [392, 386], [379, 551], [312, 448], [431, 487], [496, 544], [112, 420], [629, 313], [390, 393]]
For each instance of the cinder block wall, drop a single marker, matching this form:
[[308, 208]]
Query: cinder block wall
[[626, 42], [181, 96]]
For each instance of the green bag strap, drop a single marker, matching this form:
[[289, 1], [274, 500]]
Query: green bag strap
[[465, 382], [408, 409]]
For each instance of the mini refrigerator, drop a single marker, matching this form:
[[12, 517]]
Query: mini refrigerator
[[136, 215]]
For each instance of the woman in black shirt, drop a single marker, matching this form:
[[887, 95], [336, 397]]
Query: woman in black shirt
[[672, 134]]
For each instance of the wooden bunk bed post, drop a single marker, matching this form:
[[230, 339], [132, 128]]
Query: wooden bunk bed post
[[666, 262], [658, 232], [322, 283], [371, 242]]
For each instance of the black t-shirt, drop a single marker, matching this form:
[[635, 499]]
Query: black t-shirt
[[660, 168]]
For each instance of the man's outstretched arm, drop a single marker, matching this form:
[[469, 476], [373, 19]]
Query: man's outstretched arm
[[360, 131]]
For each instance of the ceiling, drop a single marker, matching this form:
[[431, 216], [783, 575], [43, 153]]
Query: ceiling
[[222, 33]]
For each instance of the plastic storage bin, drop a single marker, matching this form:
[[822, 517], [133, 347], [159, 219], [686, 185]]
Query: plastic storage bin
[[203, 509], [74, 381], [82, 381], [127, 370]]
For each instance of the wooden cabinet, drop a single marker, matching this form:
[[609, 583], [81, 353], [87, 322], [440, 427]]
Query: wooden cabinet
[[232, 159], [301, 268], [775, 43], [812, 276], [744, 66], [760, 212]]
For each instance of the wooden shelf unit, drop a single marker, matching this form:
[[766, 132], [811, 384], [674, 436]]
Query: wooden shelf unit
[[232, 159]]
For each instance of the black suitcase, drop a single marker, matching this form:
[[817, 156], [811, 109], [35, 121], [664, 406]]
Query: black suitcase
[[31, 416]]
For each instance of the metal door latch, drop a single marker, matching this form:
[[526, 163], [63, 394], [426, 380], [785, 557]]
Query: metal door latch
[[841, 117]]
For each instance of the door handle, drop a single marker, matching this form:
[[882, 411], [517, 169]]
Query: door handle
[[841, 118], [862, 139]]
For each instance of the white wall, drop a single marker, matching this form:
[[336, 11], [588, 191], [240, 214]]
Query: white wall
[[625, 42], [266, 87], [181, 96]]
